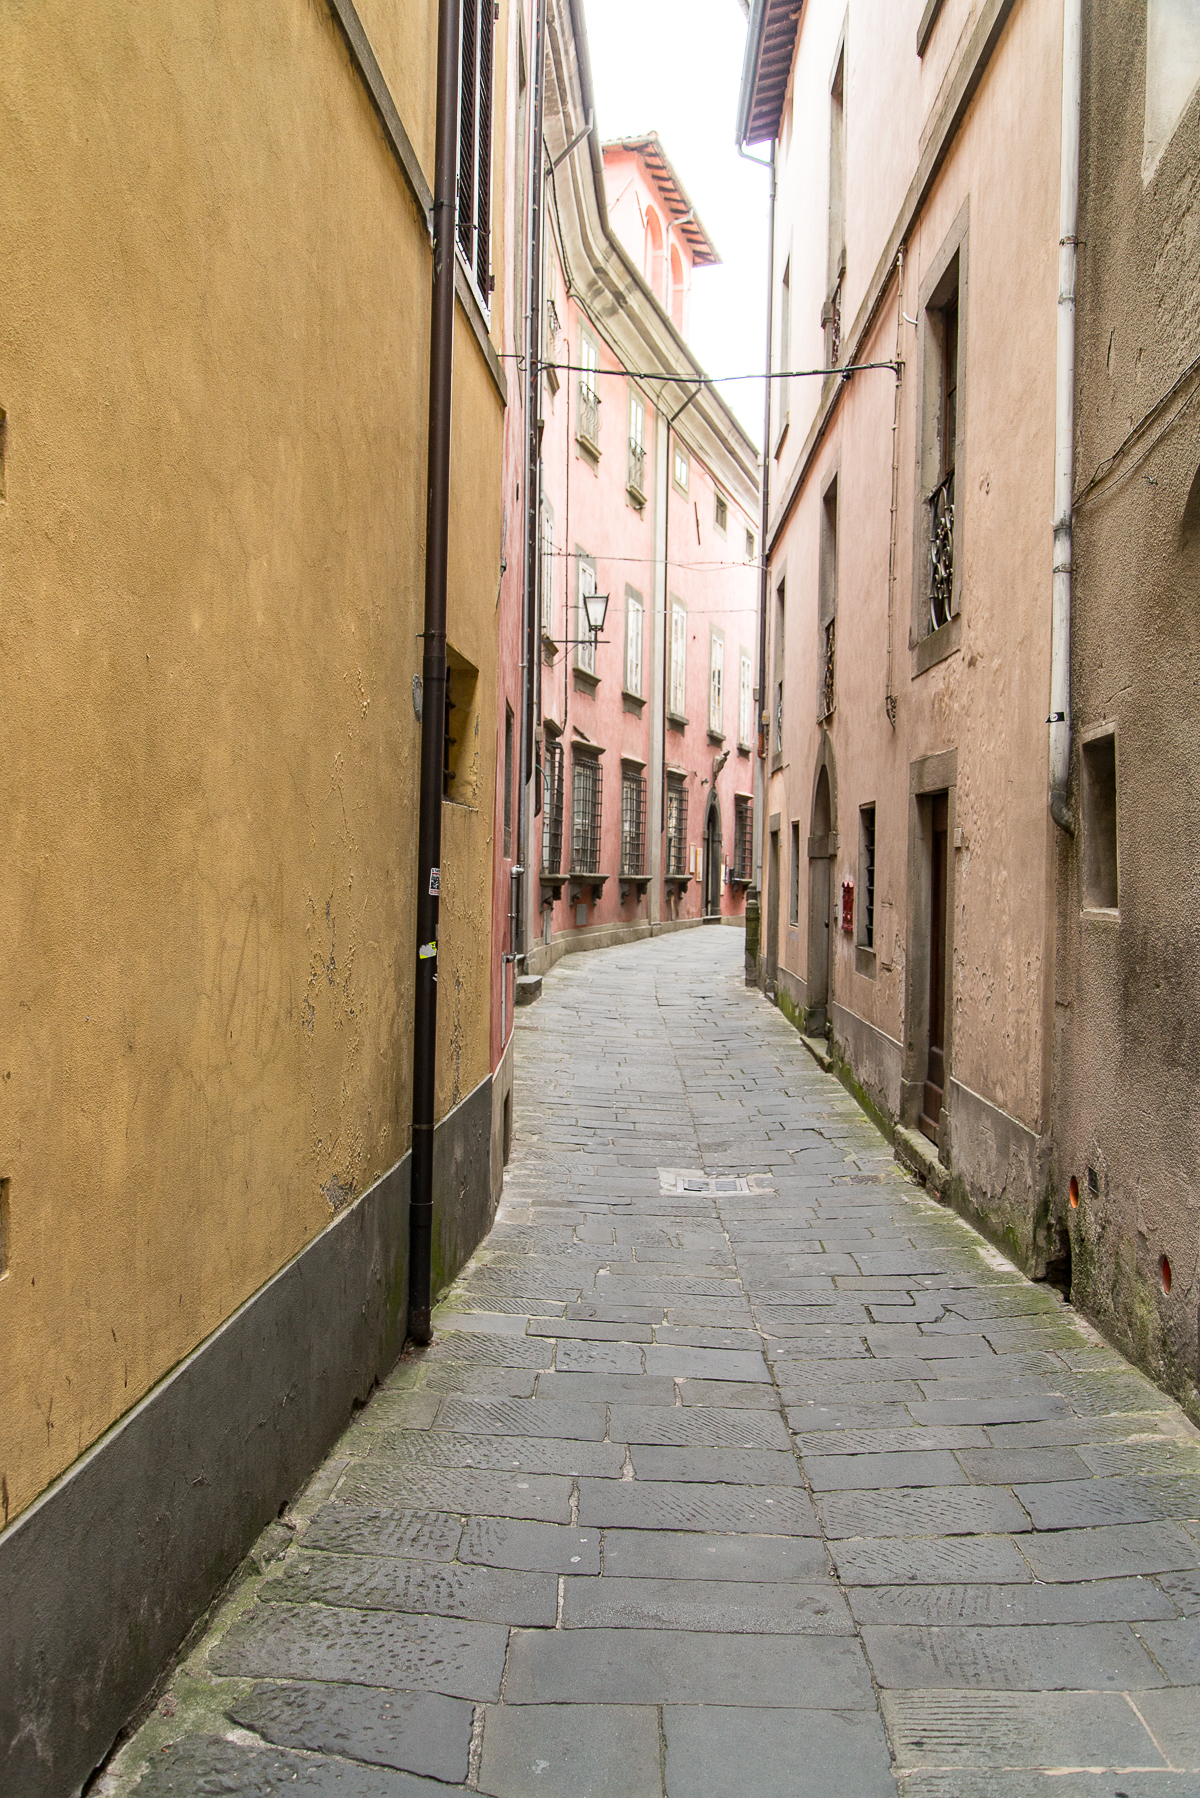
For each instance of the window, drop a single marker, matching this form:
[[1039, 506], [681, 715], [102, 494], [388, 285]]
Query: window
[[743, 837], [588, 431], [831, 314], [475, 142], [633, 642], [716, 684], [585, 814], [721, 512], [678, 677], [676, 825], [827, 600], [636, 480], [745, 701], [681, 467], [633, 821], [794, 896], [783, 386], [749, 546], [508, 779], [547, 570], [676, 289], [777, 684], [552, 811], [937, 569], [866, 876], [654, 253], [585, 647], [1099, 859]]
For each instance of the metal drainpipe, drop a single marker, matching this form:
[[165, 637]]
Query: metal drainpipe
[[1064, 421], [533, 387], [764, 584], [433, 703]]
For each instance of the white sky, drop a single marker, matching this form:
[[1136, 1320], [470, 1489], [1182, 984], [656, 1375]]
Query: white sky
[[674, 66]]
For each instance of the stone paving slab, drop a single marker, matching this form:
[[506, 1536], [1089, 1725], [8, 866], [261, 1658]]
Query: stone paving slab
[[738, 1468]]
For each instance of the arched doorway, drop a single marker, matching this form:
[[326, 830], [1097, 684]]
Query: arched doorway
[[822, 849], [712, 859]]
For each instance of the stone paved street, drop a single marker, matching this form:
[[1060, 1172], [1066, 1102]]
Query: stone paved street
[[739, 1469]]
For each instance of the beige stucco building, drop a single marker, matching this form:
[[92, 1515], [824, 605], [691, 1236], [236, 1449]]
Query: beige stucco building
[[1127, 1051], [908, 853], [214, 356]]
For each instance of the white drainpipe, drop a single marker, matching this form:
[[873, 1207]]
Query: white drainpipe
[[1064, 421]]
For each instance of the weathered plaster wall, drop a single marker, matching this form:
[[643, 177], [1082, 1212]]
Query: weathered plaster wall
[[987, 700], [1127, 1038], [213, 359]]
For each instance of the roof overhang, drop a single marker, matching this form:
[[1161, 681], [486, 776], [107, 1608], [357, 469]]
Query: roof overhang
[[770, 46], [675, 196]]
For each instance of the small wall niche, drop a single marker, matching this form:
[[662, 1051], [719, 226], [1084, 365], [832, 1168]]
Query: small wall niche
[[1098, 862], [5, 1232]]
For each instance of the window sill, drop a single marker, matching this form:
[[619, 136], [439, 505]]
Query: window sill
[[590, 450], [1100, 914], [640, 881], [744, 749], [938, 646], [677, 880], [585, 680], [632, 702], [636, 497], [581, 877], [715, 736], [552, 886], [676, 722], [864, 961]]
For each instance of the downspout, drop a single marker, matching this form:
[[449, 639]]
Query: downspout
[[433, 700], [533, 495], [1064, 421], [764, 582]]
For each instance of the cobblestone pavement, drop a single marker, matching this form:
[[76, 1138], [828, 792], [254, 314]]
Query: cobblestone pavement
[[739, 1469]]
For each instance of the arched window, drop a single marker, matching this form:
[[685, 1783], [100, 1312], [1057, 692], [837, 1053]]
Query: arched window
[[676, 289], [654, 252]]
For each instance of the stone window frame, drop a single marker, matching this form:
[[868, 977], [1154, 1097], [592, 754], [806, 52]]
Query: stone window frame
[[1104, 730], [929, 647], [928, 776]]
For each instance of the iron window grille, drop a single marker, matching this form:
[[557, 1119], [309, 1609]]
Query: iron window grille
[[676, 826], [475, 141], [866, 877], [827, 691], [636, 478], [633, 823], [743, 838], [552, 814], [588, 428], [941, 553], [586, 783]]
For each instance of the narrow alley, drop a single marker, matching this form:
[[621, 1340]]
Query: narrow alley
[[738, 1468]]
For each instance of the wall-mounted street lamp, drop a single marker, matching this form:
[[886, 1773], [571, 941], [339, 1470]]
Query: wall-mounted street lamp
[[595, 609]]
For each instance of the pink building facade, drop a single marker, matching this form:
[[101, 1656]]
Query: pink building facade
[[641, 808]]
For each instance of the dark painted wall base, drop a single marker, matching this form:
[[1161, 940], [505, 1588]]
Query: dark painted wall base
[[101, 1579]]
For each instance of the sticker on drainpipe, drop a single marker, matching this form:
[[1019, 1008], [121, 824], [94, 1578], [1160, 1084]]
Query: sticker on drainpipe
[[427, 951], [435, 882]]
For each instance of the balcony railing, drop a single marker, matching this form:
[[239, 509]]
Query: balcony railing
[[637, 470], [589, 417], [941, 553]]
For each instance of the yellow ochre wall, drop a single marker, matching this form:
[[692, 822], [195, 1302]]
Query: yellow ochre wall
[[214, 304]]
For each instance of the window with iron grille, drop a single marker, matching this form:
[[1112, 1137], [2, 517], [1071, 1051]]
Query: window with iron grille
[[745, 701], [743, 837], [866, 876], [633, 642], [678, 682], [588, 429], [637, 446], [552, 811], [586, 775], [475, 142], [633, 821], [676, 825]]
